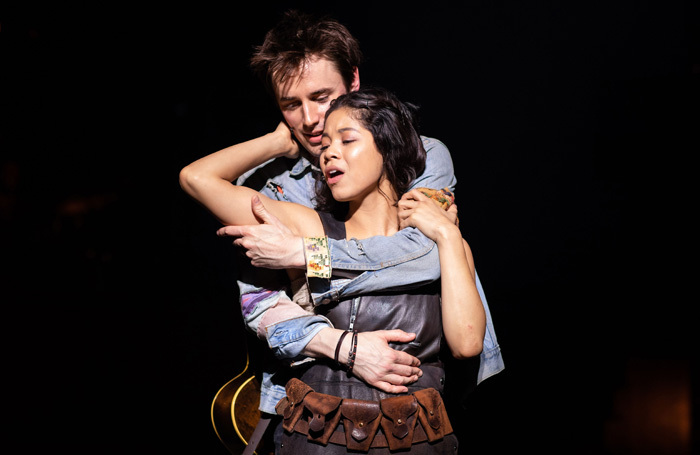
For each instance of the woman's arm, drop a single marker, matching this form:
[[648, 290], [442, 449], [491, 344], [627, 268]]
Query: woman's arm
[[208, 180], [463, 316]]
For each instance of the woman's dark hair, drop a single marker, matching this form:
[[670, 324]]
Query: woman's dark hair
[[394, 126]]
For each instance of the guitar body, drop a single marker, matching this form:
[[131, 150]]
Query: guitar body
[[235, 413]]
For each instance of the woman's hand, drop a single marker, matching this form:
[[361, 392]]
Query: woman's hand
[[287, 141], [419, 211]]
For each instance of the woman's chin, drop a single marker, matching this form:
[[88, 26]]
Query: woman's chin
[[338, 196]]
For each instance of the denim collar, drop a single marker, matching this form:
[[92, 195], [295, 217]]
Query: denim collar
[[301, 166]]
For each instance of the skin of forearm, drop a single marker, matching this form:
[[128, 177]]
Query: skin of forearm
[[232, 162], [324, 342], [463, 316], [208, 180]]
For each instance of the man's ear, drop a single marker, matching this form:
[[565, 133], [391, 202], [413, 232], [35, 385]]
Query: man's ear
[[355, 84]]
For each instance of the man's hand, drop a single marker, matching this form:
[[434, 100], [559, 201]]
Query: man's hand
[[271, 244], [377, 364]]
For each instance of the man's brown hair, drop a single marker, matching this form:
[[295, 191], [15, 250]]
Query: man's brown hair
[[298, 37]]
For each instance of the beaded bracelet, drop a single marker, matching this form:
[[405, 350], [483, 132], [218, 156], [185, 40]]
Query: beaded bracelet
[[353, 352], [337, 347]]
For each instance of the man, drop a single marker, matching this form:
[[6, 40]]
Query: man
[[306, 63]]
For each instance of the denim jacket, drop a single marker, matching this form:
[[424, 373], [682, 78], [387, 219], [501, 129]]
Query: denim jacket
[[402, 261]]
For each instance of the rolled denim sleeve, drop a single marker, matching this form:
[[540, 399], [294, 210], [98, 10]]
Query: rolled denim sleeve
[[274, 317], [288, 338], [255, 301]]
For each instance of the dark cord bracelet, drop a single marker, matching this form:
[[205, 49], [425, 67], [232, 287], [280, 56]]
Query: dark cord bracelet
[[353, 352], [337, 347]]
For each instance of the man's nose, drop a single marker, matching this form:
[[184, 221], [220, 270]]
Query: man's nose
[[310, 115]]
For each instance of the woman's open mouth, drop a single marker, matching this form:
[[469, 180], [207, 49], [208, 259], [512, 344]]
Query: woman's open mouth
[[333, 176]]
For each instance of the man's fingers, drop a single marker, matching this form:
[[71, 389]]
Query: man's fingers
[[393, 383], [403, 358], [230, 231], [399, 336], [263, 215], [240, 242], [407, 372], [260, 211], [390, 388], [397, 379]]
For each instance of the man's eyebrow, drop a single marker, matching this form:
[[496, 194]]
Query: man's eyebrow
[[323, 91]]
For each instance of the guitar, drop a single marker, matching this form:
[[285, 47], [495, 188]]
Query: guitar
[[235, 413]]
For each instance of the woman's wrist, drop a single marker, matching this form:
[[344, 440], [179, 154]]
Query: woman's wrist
[[283, 143], [448, 233]]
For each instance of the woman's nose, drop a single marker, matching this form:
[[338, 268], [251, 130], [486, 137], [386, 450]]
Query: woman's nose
[[331, 152]]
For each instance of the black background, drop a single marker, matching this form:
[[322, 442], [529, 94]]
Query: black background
[[572, 126]]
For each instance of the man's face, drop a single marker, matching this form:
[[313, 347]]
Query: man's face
[[305, 97]]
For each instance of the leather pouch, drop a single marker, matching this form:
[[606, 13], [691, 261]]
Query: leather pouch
[[361, 421], [399, 416], [323, 415], [291, 407], [432, 414]]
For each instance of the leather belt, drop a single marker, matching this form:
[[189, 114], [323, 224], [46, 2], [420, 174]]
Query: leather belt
[[379, 440], [394, 422]]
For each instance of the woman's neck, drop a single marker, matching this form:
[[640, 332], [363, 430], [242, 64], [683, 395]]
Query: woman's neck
[[376, 214]]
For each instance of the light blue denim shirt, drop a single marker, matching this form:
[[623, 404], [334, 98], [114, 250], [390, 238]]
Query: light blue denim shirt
[[401, 261]]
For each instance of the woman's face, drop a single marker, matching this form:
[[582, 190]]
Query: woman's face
[[350, 161]]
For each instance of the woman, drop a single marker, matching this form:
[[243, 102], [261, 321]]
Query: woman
[[371, 152]]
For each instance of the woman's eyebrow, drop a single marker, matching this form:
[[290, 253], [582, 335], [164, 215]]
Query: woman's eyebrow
[[342, 130]]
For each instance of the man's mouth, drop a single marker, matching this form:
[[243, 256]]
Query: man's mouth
[[314, 138]]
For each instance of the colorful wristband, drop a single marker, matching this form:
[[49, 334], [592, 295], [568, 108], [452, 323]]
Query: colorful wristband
[[318, 258]]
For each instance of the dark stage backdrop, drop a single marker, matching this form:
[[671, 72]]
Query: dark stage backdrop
[[572, 128]]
